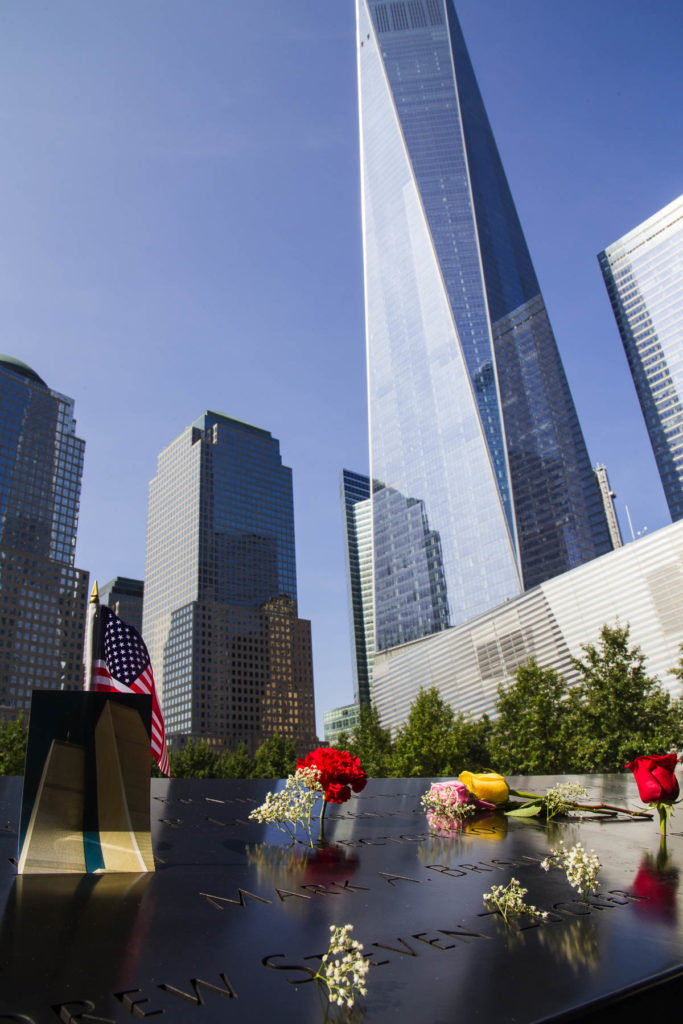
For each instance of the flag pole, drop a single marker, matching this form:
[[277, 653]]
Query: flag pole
[[93, 607]]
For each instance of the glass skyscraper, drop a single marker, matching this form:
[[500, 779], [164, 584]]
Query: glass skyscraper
[[643, 273], [42, 595], [482, 486], [357, 513], [231, 657]]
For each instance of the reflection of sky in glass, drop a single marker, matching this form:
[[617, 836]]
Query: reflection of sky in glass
[[643, 272], [470, 411]]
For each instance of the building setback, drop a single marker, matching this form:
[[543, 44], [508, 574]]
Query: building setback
[[231, 657], [608, 496], [482, 486], [640, 584], [42, 595], [124, 597], [643, 273], [357, 515]]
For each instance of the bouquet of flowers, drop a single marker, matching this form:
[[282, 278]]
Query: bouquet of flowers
[[325, 772]]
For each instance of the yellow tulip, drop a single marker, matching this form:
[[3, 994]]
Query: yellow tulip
[[487, 786]]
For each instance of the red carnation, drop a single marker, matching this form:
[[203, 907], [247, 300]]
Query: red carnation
[[340, 772]]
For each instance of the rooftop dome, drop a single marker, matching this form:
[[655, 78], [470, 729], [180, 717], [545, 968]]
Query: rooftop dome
[[22, 369]]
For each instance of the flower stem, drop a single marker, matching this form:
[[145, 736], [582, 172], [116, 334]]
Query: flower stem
[[322, 819], [600, 808], [663, 818]]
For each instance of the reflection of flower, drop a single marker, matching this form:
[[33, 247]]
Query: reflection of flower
[[657, 783], [326, 864], [657, 883], [271, 861], [486, 826], [575, 942], [489, 786], [340, 772]]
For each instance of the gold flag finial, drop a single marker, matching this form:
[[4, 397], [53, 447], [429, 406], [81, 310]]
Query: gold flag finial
[[94, 594]]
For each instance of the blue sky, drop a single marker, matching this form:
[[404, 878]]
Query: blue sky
[[180, 229]]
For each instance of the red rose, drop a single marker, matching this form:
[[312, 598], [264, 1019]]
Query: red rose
[[655, 778], [340, 772]]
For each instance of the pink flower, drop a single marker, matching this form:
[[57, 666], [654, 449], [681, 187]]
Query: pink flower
[[455, 792]]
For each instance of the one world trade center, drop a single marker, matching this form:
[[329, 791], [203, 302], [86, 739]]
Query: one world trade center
[[482, 486]]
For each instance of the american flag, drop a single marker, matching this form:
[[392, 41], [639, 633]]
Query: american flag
[[121, 663]]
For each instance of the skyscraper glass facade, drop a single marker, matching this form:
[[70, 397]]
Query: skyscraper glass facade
[[230, 655], [42, 595], [643, 272], [481, 480], [357, 513]]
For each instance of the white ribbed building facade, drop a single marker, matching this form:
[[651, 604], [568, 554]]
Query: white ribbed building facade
[[640, 584]]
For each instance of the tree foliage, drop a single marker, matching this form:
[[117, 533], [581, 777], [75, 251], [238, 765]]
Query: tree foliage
[[529, 736], [275, 758], [424, 745], [371, 743], [12, 747], [616, 710], [196, 760], [470, 743], [236, 764]]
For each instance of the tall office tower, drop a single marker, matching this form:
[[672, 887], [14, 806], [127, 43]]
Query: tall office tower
[[357, 513], [482, 485], [43, 597], [124, 597], [230, 654], [643, 273], [608, 496]]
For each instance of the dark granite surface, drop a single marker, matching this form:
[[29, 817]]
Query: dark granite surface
[[233, 923]]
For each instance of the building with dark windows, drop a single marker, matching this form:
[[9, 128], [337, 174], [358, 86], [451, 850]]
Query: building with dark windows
[[482, 485], [43, 596], [357, 518], [231, 657], [643, 272], [124, 597]]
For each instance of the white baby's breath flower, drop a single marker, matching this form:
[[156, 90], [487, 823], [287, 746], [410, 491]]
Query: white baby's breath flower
[[509, 899], [343, 968], [292, 805], [445, 808], [561, 798], [580, 867]]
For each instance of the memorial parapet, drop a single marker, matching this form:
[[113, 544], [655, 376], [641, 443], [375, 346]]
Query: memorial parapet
[[234, 921]]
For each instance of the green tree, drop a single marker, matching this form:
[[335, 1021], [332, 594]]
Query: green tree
[[424, 745], [12, 747], [529, 735], [342, 741], [275, 758], [470, 743], [235, 764], [196, 760], [618, 711], [372, 744]]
